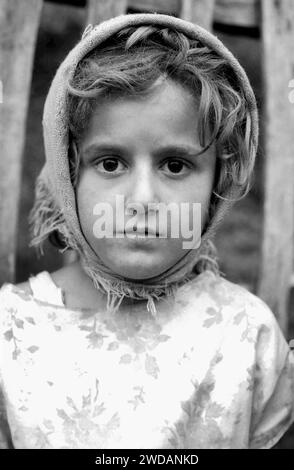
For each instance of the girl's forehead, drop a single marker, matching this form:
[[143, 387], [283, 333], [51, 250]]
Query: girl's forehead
[[168, 112], [162, 87], [165, 96]]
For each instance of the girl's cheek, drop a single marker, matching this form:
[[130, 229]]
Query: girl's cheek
[[84, 205]]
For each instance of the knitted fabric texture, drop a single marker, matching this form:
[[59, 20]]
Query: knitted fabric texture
[[55, 203]]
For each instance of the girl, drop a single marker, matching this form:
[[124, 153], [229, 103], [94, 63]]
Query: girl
[[140, 343]]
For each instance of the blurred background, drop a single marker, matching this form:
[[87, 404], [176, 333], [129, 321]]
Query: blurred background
[[239, 238]]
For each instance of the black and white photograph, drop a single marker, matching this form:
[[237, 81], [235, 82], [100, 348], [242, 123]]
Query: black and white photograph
[[146, 310]]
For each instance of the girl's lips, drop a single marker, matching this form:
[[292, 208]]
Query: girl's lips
[[143, 232]]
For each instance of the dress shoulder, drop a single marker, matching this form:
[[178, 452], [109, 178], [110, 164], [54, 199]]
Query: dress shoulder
[[235, 300], [248, 337], [272, 373], [31, 302], [12, 298]]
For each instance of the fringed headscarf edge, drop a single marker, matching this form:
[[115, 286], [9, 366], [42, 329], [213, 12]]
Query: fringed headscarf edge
[[45, 218]]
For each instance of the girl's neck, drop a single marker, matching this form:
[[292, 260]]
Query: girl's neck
[[80, 292]]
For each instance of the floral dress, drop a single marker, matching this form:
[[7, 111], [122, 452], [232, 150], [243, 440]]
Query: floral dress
[[212, 370]]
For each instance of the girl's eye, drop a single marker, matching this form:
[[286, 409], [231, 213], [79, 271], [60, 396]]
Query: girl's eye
[[110, 165], [176, 166]]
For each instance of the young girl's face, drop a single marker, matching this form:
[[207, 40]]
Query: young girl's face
[[143, 148]]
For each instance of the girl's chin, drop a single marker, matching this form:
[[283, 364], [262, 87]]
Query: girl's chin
[[132, 273], [137, 264], [135, 276]]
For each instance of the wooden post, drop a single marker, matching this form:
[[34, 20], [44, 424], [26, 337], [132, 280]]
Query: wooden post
[[19, 23], [278, 238], [102, 10], [199, 12], [244, 13]]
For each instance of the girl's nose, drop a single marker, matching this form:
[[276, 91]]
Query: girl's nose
[[143, 187]]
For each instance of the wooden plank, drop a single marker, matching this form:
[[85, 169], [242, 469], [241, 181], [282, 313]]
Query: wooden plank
[[198, 11], [19, 23], [161, 6], [244, 13], [73, 3], [278, 239], [102, 10]]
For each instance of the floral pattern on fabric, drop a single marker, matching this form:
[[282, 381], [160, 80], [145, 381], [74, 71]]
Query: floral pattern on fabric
[[212, 370]]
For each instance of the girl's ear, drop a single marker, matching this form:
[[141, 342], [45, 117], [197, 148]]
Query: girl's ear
[[74, 160]]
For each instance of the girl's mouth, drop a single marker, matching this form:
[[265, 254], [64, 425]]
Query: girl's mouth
[[142, 232]]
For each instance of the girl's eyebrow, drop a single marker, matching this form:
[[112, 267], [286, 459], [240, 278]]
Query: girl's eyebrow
[[173, 150], [167, 150], [94, 148]]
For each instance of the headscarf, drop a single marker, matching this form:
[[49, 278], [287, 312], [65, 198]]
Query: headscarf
[[55, 205]]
